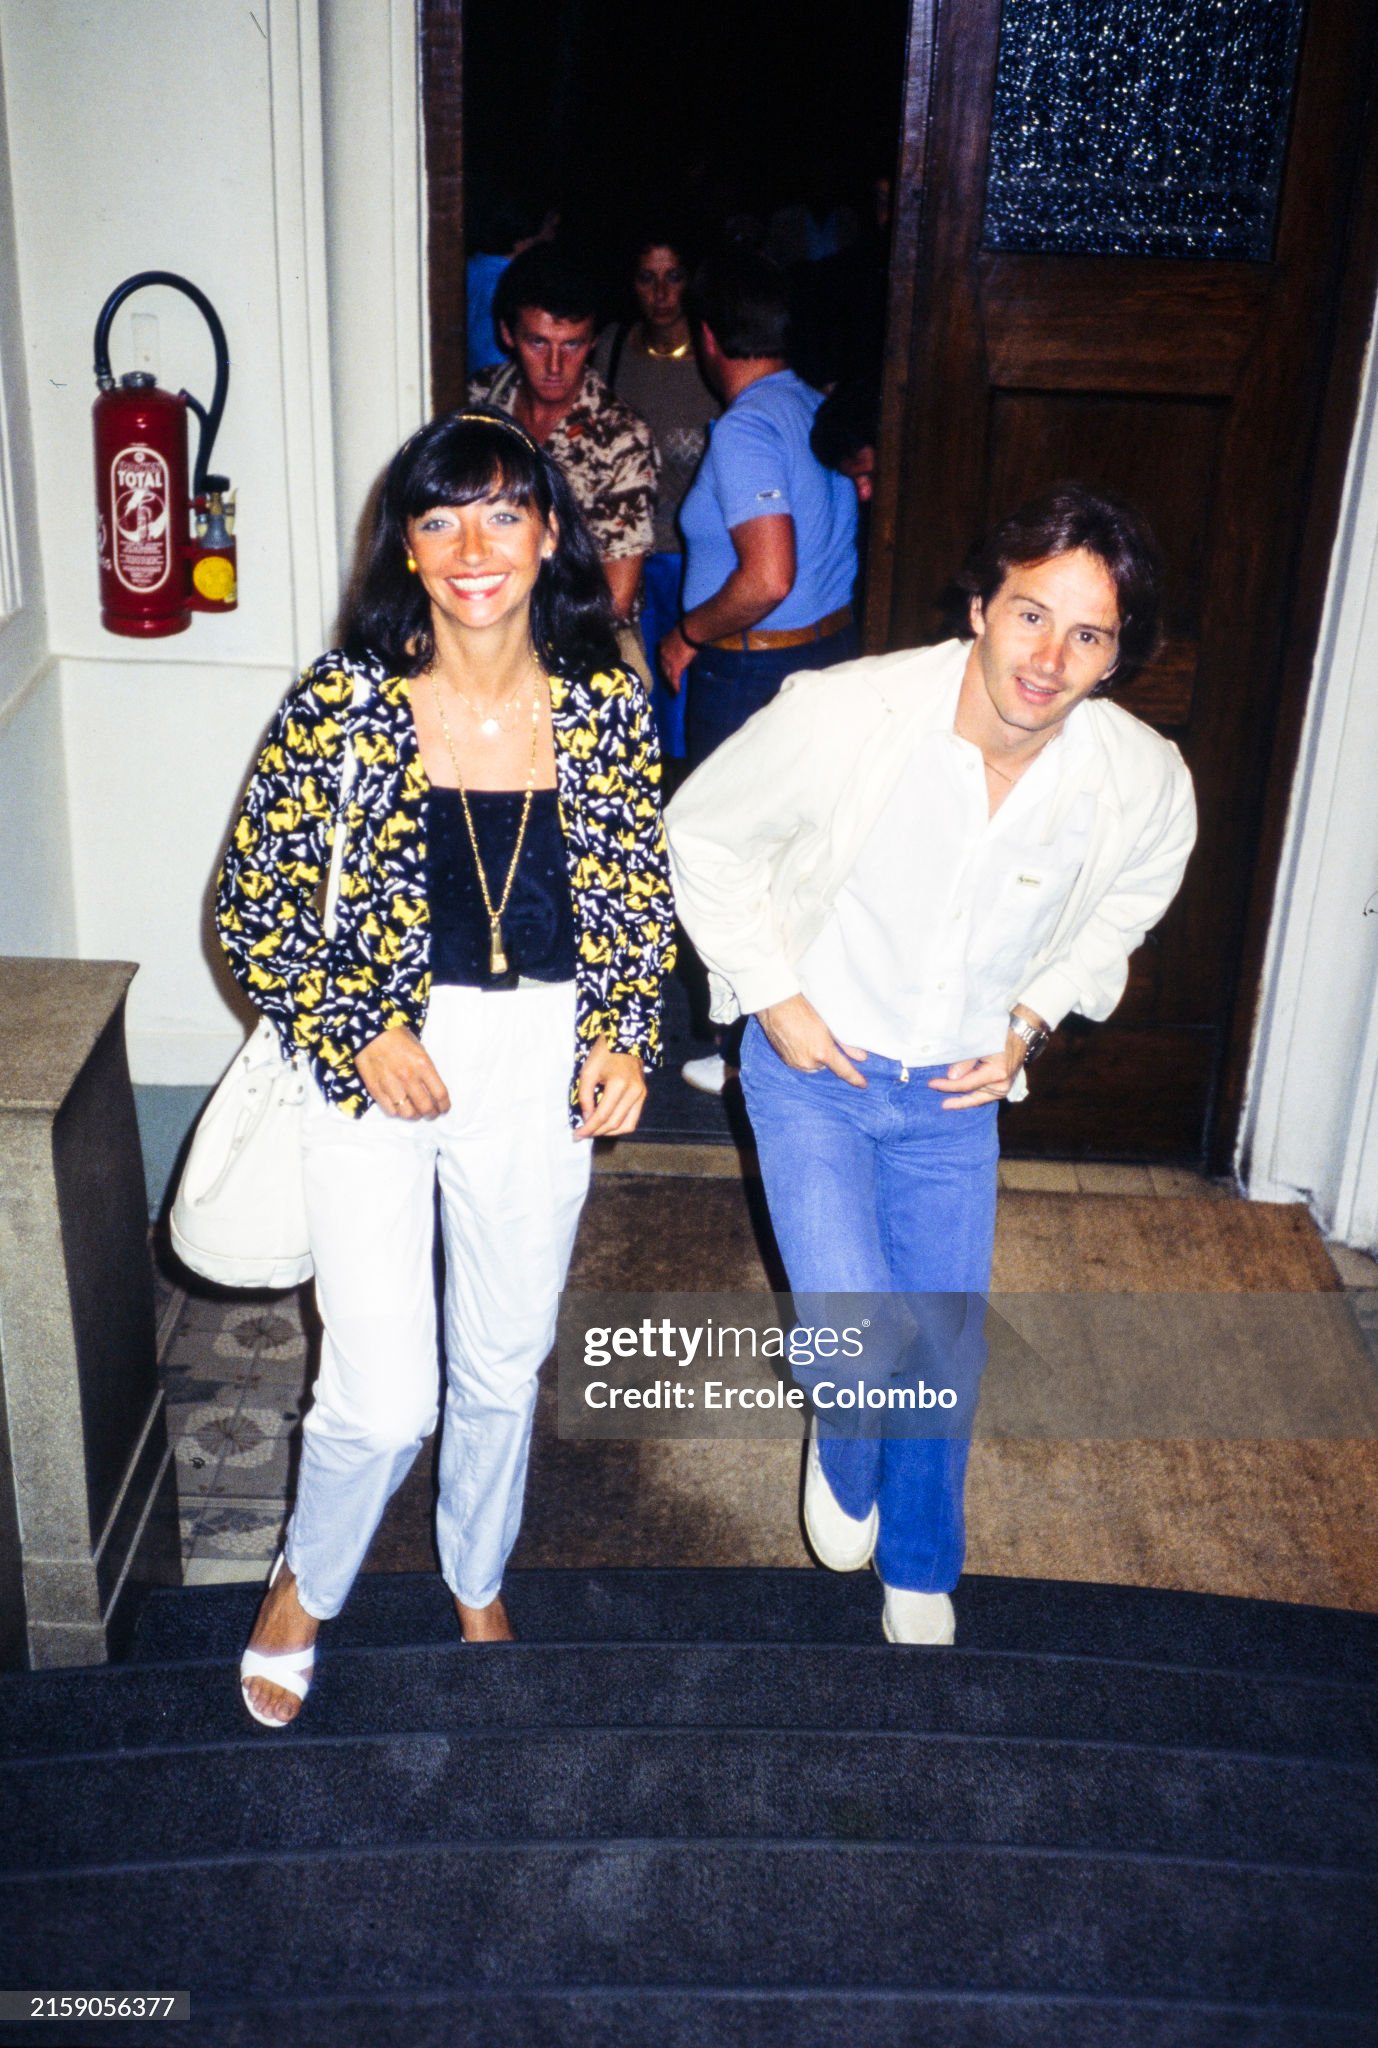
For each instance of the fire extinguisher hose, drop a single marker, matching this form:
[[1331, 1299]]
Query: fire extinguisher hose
[[209, 417]]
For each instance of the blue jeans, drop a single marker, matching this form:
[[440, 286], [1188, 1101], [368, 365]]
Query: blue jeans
[[881, 1190], [726, 687], [660, 582]]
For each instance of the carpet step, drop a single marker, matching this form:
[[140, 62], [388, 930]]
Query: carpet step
[[1199, 1630], [458, 1687], [650, 1684], [760, 1916], [679, 1784], [650, 2018]]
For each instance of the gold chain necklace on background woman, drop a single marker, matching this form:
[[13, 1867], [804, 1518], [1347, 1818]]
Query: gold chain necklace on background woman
[[674, 354], [497, 951]]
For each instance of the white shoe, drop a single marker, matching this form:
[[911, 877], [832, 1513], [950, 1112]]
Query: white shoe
[[709, 1075], [839, 1540], [290, 1669], [917, 1617]]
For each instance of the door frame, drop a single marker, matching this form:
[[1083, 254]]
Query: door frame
[[441, 43], [1313, 539]]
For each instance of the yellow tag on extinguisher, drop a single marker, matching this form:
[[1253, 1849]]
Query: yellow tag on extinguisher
[[213, 578]]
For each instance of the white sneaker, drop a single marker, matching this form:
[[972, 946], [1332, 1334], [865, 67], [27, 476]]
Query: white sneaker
[[917, 1617], [709, 1075], [839, 1540]]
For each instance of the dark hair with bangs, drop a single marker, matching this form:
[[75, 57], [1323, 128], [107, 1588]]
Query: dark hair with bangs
[[1058, 522], [457, 460]]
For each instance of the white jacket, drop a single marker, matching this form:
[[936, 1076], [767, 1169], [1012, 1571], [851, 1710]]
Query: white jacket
[[764, 834]]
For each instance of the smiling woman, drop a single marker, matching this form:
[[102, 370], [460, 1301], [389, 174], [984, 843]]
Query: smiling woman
[[481, 936], [478, 563]]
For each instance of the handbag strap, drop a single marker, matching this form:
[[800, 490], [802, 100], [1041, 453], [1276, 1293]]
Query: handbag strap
[[340, 833]]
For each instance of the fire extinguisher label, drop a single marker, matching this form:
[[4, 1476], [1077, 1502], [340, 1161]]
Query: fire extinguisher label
[[139, 493]]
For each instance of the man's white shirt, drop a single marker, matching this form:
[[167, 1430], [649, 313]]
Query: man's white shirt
[[930, 935], [770, 834]]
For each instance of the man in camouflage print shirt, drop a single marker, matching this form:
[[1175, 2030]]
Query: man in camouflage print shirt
[[544, 311]]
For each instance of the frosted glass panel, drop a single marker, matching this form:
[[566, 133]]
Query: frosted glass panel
[[1141, 127]]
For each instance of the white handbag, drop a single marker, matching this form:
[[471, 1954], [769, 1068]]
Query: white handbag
[[239, 1215]]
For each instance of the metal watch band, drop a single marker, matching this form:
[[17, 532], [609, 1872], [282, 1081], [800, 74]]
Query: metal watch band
[[1035, 1040]]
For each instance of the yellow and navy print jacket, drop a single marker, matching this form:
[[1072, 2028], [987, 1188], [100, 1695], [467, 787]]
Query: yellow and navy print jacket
[[328, 999]]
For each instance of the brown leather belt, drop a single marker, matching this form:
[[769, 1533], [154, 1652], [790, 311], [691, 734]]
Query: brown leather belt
[[759, 638]]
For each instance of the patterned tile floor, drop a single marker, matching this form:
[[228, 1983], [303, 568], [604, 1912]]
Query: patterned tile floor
[[237, 1367]]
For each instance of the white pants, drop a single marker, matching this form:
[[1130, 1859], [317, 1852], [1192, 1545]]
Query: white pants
[[512, 1181]]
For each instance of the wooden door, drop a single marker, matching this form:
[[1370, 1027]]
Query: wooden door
[[1216, 391]]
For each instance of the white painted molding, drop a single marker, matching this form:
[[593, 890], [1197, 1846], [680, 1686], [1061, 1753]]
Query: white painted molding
[[375, 229], [12, 392], [1310, 1124], [409, 221], [11, 588], [294, 72], [14, 703], [406, 19], [1355, 1217], [23, 624]]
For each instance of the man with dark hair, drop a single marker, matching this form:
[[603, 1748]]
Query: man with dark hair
[[544, 309], [769, 533], [907, 871], [844, 435]]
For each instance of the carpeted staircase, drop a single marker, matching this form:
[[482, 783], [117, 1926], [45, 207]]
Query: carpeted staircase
[[714, 1808]]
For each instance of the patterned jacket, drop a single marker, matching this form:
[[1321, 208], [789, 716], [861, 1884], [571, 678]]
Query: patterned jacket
[[329, 999], [608, 455]]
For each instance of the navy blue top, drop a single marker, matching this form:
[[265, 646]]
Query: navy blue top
[[538, 923]]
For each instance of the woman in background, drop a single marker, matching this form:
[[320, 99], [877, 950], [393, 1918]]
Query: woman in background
[[650, 363]]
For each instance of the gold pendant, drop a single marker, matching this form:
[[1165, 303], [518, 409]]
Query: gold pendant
[[497, 957]]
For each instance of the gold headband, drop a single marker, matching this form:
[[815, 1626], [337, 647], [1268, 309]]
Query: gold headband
[[501, 419]]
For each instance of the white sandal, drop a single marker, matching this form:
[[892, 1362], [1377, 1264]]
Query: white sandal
[[290, 1669]]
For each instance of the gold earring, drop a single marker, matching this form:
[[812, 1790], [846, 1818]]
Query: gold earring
[[411, 563]]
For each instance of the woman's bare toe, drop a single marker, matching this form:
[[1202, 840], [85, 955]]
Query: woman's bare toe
[[273, 1700]]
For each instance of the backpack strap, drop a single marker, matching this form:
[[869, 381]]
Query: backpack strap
[[619, 342]]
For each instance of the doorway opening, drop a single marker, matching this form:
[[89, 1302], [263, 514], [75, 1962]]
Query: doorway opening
[[735, 120]]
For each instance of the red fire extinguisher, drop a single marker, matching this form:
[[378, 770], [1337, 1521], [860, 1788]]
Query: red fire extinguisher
[[154, 570]]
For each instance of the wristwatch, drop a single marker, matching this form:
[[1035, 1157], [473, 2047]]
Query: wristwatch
[[1034, 1036]]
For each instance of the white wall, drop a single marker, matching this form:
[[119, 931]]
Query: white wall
[[187, 135], [141, 138], [1311, 1116], [37, 911], [36, 906]]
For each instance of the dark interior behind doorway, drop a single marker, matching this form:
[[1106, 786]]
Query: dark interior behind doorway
[[601, 108]]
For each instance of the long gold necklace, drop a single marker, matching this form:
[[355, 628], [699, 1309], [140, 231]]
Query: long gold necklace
[[497, 951]]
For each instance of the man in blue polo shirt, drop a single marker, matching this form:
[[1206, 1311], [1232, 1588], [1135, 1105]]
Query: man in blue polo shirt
[[769, 533]]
